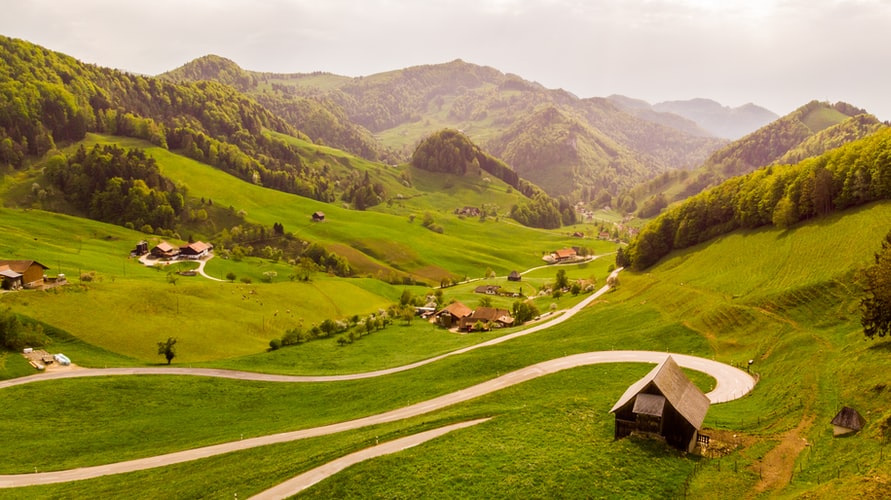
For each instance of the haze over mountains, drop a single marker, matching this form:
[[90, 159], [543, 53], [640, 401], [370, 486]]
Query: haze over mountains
[[714, 118]]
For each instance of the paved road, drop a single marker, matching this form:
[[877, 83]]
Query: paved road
[[297, 484], [265, 377], [732, 383]]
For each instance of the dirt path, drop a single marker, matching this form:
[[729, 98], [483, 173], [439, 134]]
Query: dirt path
[[778, 464]]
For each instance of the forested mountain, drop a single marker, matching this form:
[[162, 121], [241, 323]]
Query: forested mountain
[[319, 117], [50, 98], [782, 195], [808, 131], [402, 107]]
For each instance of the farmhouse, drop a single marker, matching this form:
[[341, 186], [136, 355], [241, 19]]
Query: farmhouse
[[164, 250], [562, 255], [488, 316], [664, 403], [487, 289], [21, 274], [196, 250], [452, 314], [847, 421]]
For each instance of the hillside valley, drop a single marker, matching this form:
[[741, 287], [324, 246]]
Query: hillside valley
[[391, 241]]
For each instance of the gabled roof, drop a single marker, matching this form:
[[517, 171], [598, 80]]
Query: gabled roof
[[197, 247], [565, 252], [489, 314], [165, 247], [20, 266], [457, 310], [677, 389], [848, 418]]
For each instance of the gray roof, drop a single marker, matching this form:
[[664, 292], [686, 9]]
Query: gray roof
[[849, 419], [678, 390], [649, 404]]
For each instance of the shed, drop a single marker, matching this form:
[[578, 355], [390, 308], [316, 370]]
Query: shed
[[318, 216], [514, 276], [21, 273], [665, 403], [847, 421]]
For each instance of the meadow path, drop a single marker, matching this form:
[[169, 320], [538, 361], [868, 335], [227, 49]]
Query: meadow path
[[731, 383]]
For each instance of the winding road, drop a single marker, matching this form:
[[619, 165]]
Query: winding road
[[731, 383]]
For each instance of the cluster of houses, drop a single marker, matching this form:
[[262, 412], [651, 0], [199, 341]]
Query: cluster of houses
[[19, 274], [465, 319], [163, 250]]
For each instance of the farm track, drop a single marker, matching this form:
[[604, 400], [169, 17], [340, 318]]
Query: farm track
[[731, 383]]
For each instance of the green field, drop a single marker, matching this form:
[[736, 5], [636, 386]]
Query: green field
[[788, 300]]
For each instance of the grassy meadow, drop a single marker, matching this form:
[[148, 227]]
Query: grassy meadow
[[787, 300]]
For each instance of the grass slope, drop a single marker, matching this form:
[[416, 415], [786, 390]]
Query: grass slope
[[788, 300], [384, 241]]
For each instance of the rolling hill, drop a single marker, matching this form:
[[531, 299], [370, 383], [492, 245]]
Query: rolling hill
[[402, 107]]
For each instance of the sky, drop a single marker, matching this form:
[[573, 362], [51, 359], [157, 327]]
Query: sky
[[777, 54]]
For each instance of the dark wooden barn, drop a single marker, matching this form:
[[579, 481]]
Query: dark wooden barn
[[665, 403]]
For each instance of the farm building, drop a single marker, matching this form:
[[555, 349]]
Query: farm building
[[452, 314], [665, 403], [514, 276], [195, 250], [318, 216], [487, 289], [21, 274], [847, 421], [164, 250], [488, 316]]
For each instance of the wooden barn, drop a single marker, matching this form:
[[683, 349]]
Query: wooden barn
[[665, 403], [514, 276], [21, 274], [847, 421]]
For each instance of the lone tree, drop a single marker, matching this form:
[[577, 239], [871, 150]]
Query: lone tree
[[167, 349], [876, 305]]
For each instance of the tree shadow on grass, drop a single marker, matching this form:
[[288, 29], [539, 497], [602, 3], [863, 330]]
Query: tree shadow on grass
[[881, 345]]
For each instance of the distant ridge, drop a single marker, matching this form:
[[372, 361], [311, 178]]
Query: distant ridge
[[721, 121]]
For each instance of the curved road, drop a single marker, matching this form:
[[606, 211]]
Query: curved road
[[267, 377], [731, 383]]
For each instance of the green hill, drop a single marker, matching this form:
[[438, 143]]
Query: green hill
[[806, 132], [404, 106], [782, 195]]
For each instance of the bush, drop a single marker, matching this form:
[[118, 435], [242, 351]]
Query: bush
[[230, 276]]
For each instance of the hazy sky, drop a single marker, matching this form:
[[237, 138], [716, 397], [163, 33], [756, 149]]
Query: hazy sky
[[778, 54]]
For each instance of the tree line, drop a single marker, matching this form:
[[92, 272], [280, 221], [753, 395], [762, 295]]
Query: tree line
[[782, 195]]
